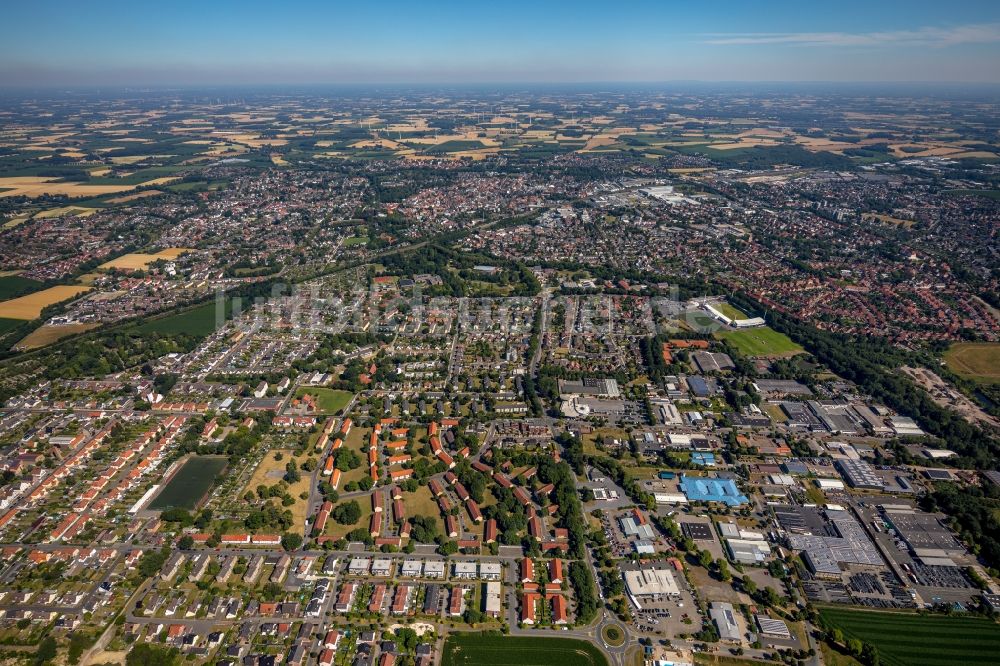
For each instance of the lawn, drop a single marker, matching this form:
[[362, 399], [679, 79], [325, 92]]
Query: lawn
[[190, 484], [764, 341], [493, 650], [421, 503], [979, 361], [329, 401], [914, 640]]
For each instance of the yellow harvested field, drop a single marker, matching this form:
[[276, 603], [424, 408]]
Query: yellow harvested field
[[251, 140], [36, 186], [376, 143], [136, 261], [76, 211], [20, 219], [683, 170], [476, 155], [418, 125], [46, 335], [597, 142], [278, 160], [30, 306], [744, 143], [98, 173], [129, 159], [132, 197]]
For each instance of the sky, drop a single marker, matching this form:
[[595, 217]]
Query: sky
[[219, 42]]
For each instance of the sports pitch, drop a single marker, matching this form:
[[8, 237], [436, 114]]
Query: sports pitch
[[476, 650], [764, 341]]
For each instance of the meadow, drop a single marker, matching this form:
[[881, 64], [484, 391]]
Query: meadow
[[190, 484], [979, 361], [474, 649], [764, 341], [916, 640], [329, 401]]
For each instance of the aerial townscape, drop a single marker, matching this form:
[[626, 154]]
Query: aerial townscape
[[471, 368]]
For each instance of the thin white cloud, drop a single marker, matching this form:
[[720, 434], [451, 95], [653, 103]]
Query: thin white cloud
[[985, 33]]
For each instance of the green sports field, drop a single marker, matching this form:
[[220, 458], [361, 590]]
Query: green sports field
[[491, 650], [729, 311], [763, 341], [915, 640]]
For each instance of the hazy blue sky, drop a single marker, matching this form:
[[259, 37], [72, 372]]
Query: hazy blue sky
[[44, 42]]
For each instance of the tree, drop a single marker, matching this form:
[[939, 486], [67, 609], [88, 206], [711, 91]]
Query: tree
[[47, 650], [291, 541], [186, 542], [348, 513], [149, 654]]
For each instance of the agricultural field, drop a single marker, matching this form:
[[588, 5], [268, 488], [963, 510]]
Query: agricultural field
[[199, 320], [46, 335], [30, 306], [496, 650], [76, 211], [914, 640], [329, 401], [37, 186], [763, 341], [15, 285], [979, 361], [137, 261], [190, 484]]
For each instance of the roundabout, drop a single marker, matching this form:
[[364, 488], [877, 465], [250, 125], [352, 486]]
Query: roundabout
[[613, 635]]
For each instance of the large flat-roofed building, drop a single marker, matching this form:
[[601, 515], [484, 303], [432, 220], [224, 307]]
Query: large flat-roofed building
[[770, 626], [724, 616], [591, 386], [825, 554], [860, 474], [928, 539], [748, 551], [633, 528], [650, 581], [702, 489]]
